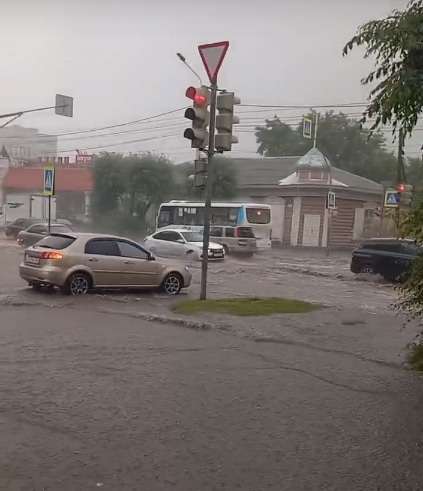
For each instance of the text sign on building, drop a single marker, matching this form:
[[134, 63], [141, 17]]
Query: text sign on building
[[49, 177], [84, 159], [331, 201]]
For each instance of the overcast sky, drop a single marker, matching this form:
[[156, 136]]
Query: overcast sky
[[117, 58]]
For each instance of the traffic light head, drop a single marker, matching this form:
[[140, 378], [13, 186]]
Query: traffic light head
[[405, 192], [225, 120], [199, 115], [200, 96]]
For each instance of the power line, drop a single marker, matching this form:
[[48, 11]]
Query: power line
[[99, 147], [92, 130]]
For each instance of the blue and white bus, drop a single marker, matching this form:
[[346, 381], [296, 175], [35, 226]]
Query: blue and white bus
[[191, 213]]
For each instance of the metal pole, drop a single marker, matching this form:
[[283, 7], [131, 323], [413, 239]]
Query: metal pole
[[208, 193], [400, 164], [316, 124], [49, 214]]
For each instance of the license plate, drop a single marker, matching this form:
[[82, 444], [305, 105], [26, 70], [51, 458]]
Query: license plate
[[32, 260]]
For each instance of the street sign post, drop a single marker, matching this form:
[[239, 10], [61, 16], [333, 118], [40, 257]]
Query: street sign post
[[391, 198], [48, 188], [212, 56], [64, 105], [307, 125], [331, 201]]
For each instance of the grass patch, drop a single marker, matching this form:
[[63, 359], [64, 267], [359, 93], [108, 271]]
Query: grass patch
[[415, 357], [246, 306]]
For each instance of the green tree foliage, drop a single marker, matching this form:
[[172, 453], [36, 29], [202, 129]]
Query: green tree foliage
[[108, 182], [396, 45], [224, 180], [126, 189], [340, 137]]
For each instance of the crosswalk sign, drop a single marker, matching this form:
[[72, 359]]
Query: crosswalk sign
[[49, 178], [391, 199], [307, 126]]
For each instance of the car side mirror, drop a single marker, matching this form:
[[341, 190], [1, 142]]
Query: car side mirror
[[151, 257], [180, 241]]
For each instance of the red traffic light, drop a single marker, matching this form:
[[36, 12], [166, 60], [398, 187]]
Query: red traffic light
[[400, 188], [194, 94]]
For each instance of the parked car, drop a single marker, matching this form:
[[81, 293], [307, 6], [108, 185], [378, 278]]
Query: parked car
[[38, 231], [391, 258], [182, 242], [13, 229], [235, 240], [78, 263]]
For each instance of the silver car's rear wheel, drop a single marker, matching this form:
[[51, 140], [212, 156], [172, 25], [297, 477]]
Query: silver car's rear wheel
[[172, 284], [77, 284]]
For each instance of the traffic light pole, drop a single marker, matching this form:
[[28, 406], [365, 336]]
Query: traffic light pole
[[208, 193]]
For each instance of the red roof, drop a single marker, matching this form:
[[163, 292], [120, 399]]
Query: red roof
[[31, 178]]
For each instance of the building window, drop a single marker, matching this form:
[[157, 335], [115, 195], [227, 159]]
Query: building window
[[311, 175], [316, 175]]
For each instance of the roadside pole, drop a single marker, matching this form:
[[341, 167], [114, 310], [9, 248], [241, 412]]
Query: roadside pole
[[49, 214], [208, 193], [219, 120], [48, 188]]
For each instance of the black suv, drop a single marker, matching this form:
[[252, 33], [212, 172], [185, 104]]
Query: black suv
[[391, 258], [20, 224]]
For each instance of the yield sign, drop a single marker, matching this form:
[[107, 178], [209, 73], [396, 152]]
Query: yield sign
[[212, 56]]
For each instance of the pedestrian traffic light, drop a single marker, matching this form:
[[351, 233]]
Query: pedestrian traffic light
[[225, 120], [199, 115]]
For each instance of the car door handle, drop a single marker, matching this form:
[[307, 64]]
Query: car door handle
[[129, 262], [92, 260]]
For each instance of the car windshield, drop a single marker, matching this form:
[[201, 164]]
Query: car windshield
[[192, 236]]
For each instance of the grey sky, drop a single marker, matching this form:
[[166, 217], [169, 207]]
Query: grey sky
[[117, 59]]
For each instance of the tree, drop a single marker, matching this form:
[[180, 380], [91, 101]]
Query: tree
[[149, 179], [126, 189], [108, 183], [224, 180], [396, 45], [278, 139], [340, 137]]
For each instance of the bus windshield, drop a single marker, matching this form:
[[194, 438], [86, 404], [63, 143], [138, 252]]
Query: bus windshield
[[192, 236], [258, 216]]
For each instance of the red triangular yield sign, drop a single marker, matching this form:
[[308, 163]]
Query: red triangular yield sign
[[212, 56]]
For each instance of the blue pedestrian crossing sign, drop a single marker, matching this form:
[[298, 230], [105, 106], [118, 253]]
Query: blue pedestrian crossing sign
[[49, 178], [391, 198]]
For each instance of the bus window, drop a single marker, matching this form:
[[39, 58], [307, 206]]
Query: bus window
[[233, 217], [220, 216], [258, 216], [166, 216]]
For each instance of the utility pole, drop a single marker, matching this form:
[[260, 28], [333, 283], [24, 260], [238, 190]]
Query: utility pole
[[212, 56], [208, 193], [401, 177], [316, 125]]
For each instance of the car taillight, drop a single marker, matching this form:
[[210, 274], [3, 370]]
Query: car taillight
[[236, 233], [51, 255]]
